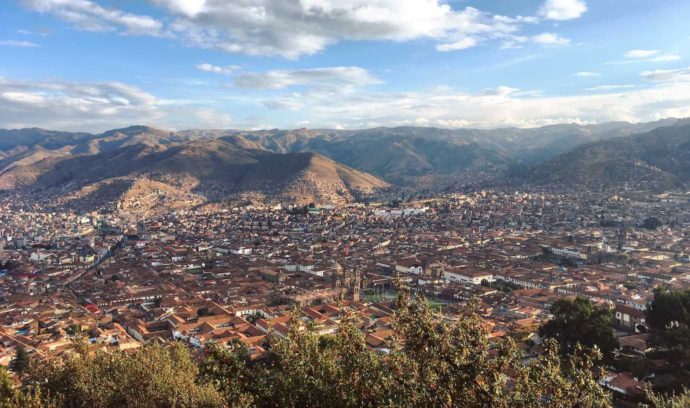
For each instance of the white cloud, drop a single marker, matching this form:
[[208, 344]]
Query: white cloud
[[24, 98], [562, 9], [187, 7], [499, 91], [667, 75], [637, 56], [665, 58], [218, 69], [586, 74], [92, 106], [261, 27], [609, 87], [550, 39], [496, 107], [292, 28], [515, 41], [328, 77], [90, 16], [17, 43], [99, 106], [467, 42], [640, 53], [292, 104], [44, 32]]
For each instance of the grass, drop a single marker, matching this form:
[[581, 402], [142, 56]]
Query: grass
[[389, 295]]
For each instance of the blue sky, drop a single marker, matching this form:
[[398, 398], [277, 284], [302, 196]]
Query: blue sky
[[98, 64]]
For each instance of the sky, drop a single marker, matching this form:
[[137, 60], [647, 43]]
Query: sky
[[93, 65]]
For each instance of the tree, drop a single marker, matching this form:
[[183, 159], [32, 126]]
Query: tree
[[6, 387], [580, 321], [429, 362], [12, 397], [668, 317], [152, 376], [651, 223], [226, 369], [21, 361]]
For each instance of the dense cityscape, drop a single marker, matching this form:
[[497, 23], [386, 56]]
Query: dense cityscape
[[236, 273], [344, 204]]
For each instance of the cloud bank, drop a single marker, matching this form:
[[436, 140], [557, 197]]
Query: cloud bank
[[338, 97], [93, 106], [293, 28]]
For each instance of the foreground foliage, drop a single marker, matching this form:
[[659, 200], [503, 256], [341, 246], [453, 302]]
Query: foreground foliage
[[430, 363], [149, 377], [669, 401]]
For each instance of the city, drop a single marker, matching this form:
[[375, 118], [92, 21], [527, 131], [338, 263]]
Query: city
[[235, 273], [344, 204]]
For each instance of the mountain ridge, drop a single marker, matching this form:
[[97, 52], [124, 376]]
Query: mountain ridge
[[213, 169], [303, 165], [656, 160]]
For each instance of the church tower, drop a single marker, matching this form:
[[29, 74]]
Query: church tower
[[356, 285]]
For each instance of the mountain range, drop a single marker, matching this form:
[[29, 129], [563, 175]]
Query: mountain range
[[142, 167], [656, 160], [174, 169], [406, 156]]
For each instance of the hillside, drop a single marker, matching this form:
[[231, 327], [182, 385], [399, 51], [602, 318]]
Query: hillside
[[220, 163], [13, 138], [309, 177], [655, 160], [130, 136], [419, 156], [186, 172]]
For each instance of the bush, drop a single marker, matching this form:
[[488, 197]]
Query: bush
[[152, 376]]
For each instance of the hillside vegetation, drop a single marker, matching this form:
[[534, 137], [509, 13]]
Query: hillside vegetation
[[430, 363]]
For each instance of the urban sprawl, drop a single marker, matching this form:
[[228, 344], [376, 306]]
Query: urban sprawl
[[120, 280]]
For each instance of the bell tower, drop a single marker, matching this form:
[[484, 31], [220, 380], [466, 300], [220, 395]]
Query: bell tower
[[356, 285]]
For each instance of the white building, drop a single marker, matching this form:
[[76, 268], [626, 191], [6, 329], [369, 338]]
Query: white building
[[474, 277]]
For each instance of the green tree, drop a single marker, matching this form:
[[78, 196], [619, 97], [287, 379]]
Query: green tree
[[429, 363], [668, 317], [453, 364], [152, 376], [13, 397], [651, 223], [6, 387], [580, 321], [21, 361], [227, 370]]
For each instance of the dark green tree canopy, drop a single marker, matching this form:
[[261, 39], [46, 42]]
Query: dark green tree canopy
[[580, 321], [21, 361], [651, 223], [668, 317], [152, 376]]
